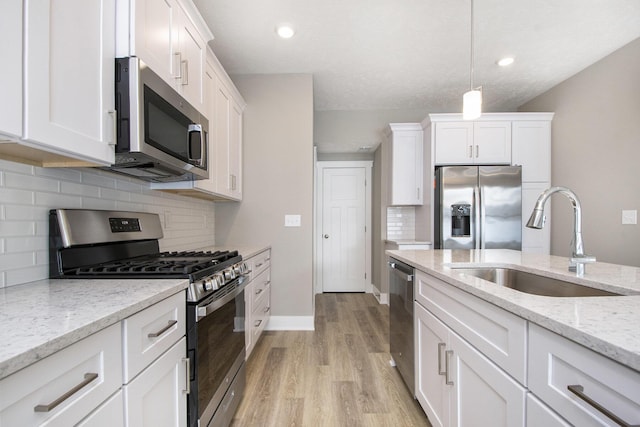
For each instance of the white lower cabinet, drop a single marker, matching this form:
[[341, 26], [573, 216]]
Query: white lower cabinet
[[539, 414], [457, 385], [65, 387], [109, 414], [157, 397], [132, 373], [557, 366], [257, 298]]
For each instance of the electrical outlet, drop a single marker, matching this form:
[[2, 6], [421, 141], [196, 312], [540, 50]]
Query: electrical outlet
[[292, 220], [630, 217]]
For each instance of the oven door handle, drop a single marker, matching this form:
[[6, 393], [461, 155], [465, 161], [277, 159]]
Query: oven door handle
[[205, 310]]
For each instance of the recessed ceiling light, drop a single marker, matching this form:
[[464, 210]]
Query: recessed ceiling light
[[505, 61], [365, 148], [285, 31]]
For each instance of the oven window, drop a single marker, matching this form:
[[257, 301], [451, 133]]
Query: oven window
[[165, 127], [220, 341]]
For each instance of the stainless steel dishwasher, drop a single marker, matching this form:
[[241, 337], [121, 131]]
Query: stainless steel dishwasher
[[401, 320]]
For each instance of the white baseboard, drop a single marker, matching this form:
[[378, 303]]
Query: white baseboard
[[290, 323], [383, 298]]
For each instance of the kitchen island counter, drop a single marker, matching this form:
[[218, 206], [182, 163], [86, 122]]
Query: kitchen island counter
[[607, 325], [40, 318]]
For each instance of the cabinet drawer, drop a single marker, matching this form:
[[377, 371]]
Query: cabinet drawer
[[260, 262], [498, 334], [260, 285], [539, 414], [109, 414], [151, 332], [71, 382], [260, 317], [555, 363]]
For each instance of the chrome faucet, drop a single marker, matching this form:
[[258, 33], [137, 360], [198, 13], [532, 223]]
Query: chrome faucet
[[537, 220]]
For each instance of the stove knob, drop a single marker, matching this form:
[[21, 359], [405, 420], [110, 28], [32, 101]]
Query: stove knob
[[229, 274], [218, 281], [208, 285]]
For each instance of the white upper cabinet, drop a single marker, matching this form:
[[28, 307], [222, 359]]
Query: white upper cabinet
[[460, 142], [162, 33], [406, 148], [67, 110], [11, 76], [532, 148]]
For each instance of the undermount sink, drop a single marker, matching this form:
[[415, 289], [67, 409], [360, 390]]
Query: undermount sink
[[532, 283]]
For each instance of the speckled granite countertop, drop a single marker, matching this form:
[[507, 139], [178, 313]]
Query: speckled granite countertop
[[608, 325], [39, 318]]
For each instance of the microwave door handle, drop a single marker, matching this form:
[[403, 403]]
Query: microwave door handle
[[196, 128]]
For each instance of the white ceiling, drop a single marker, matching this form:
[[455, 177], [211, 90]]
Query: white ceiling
[[408, 54]]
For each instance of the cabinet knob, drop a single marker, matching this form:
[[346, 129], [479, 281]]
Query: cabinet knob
[[326, 236]]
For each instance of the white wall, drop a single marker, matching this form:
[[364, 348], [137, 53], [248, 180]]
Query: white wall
[[28, 192], [595, 152], [277, 180]]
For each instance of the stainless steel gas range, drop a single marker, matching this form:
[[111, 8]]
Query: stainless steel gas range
[[95, 244]]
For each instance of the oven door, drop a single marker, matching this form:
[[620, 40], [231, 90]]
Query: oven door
[[216, 346]]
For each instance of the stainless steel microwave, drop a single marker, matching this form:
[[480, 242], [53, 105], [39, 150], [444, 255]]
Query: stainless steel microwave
[[160, 136]]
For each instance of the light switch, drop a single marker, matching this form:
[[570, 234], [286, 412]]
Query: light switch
[[292, 220], [630, 216]]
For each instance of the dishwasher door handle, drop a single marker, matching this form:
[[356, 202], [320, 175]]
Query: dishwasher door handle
[[404, 276]]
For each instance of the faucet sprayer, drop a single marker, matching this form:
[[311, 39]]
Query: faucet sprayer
[[537, 220]]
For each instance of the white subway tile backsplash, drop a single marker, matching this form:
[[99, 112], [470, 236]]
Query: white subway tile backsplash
[[27, 193], [401, 223]]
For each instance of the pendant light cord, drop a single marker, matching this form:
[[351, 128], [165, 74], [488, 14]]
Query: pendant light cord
[[471, 62]]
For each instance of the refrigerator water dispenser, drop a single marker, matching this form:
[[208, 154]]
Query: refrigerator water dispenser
[[461, 220]]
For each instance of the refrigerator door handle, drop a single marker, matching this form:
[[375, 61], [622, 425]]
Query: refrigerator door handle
[[483, 218], [477, 211]]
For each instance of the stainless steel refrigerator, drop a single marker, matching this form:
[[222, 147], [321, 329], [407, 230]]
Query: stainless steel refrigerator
[[478, 207]]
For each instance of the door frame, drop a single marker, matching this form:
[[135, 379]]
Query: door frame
[[317, 226]]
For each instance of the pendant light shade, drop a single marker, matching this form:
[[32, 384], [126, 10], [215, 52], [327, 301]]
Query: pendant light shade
[[472, 104], [472, 100]]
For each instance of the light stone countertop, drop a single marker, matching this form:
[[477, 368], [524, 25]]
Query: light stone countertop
[[608, 325], [40, 318]]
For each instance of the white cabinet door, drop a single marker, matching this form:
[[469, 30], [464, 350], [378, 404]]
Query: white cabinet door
[[453, 143], [235, 150], [69, 102], [191, 54], [492, 142], [539, 414], [483, 394], [222, 139], [406, 164], [11, 75], [532, 149], [157, 397], [109, 414], [155, 36], [431, 390]]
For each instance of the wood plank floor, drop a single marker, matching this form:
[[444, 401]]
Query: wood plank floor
[[337, 375]]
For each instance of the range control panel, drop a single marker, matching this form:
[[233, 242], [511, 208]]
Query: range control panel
[[124, 225]]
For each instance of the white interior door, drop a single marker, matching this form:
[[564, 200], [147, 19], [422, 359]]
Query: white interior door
[[343, 230]]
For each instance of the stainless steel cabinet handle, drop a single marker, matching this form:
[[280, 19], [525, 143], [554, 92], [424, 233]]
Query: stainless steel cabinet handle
[[179, 67], [477, 151], [578, 390], [114, 117], [88, 377], [470, 151], [163, 330], [257, 323], [259, 265], [266, 309], [187, 363], [259, 291], [441, 346], [185, 74], [447, 357]]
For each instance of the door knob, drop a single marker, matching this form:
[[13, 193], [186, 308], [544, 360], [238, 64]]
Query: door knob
[[326, 236]]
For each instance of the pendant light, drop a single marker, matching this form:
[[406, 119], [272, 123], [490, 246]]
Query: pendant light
[[472, 100]]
